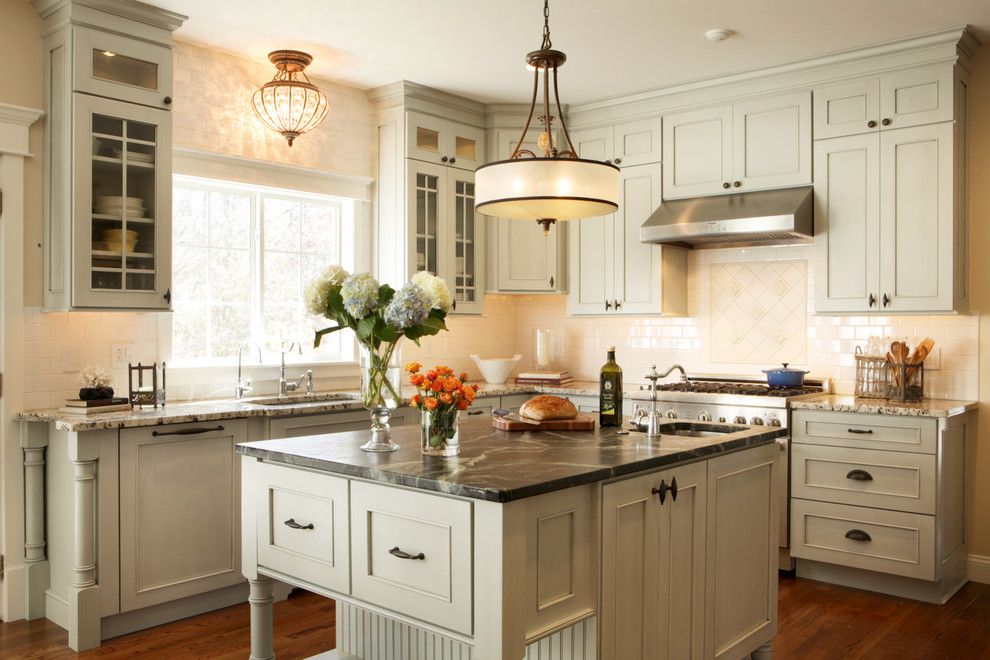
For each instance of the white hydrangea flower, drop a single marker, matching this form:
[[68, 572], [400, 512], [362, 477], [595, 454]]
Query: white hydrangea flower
[[436, 288], [360, 293], [316, 291], [95, 376]]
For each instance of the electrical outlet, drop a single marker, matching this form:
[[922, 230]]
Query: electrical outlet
[[120, 354], [71, 360]]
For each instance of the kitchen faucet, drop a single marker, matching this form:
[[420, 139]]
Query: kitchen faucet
[[244, 384], [286, 386], [684, 376]]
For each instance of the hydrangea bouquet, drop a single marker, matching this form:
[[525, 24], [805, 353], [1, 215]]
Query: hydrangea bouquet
[[380, 316]]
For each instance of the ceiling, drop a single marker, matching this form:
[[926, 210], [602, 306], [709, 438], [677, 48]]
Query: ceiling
[[476, 48]]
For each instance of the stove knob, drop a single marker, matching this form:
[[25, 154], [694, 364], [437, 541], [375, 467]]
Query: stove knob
[[756, 421], [722, 420], [774, 421], [739, 420], [670, 414], [704, 416]]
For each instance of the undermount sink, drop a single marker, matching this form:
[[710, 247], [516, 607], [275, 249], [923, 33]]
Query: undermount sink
[[698, 429], [295, 399]]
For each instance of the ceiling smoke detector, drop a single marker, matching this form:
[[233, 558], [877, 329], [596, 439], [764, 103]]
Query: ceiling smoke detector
[[718, 34]]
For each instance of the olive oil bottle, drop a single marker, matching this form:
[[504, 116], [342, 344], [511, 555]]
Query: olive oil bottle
[[610, 392]]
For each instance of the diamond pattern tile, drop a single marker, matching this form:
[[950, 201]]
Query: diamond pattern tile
[[759, 312]]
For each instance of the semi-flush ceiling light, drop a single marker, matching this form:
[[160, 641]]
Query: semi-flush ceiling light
[[556, 185], [290, 103]]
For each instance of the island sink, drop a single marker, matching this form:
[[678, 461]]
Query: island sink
[[698, 429], [295, 399]]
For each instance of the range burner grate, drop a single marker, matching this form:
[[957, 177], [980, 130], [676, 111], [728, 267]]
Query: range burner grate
[[748, 389]]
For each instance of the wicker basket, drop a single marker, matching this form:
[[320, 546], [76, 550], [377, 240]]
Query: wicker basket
[[872, 375]]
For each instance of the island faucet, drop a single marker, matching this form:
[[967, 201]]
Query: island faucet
[[286, 386], [244, 384]]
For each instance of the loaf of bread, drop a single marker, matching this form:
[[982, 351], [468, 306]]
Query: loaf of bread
[[545, 407]]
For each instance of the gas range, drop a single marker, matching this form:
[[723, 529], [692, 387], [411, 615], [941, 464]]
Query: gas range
[[729, 399]]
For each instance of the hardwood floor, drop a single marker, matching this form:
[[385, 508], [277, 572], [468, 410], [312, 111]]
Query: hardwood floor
[[817, 621]]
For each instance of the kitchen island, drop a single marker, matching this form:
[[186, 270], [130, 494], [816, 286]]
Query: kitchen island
[[564, 544]]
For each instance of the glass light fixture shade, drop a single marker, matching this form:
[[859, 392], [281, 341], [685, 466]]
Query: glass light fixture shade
[[290, 107], [553, 188]]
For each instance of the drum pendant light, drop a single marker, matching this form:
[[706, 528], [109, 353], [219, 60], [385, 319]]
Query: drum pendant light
[[555, 184]]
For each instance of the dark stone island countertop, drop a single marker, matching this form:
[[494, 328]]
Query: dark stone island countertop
[[501, 466]]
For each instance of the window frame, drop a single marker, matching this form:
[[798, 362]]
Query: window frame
[[195, 371]]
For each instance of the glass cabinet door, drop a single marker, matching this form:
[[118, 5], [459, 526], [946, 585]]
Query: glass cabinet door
[[427, 191], [121, 68], [123, 203], [467, 245]]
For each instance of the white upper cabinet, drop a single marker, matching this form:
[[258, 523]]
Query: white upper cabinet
[[771, 143], [636, 142], [113, 66], [751, 145], [443, 141], [899, 99], [526, 259], [888, 226], [610, 270], [697, 152]]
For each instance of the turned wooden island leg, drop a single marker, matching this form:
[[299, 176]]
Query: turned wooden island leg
[[84, 597], [764, 652], [261, 600]]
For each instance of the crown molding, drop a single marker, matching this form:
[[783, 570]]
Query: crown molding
[[129, 9], [15, 121], [414, 96]]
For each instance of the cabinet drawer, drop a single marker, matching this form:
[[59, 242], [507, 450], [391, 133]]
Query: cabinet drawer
[[412, 553], [302, 525], [871, 539], [862, 431], [883, 479]]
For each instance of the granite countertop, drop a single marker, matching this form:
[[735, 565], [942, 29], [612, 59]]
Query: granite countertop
[[848, 403], [501, 466], [216, 409]]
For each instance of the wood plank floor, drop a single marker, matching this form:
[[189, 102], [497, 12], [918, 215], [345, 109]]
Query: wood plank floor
[[817, 621]]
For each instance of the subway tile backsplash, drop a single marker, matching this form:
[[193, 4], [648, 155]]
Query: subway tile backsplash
[[57, 344]]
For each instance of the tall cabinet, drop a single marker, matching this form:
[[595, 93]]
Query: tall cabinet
[[611, 271], [890, 196], [108, 147], [426, 195]]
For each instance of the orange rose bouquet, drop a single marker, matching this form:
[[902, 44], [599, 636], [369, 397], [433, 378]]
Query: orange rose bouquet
[[440, 396]]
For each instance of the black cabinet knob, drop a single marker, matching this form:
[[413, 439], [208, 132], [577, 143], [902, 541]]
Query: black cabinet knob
[[608, 305], [444, 159], [873, 300], [886, 300], [452, 160], [736, 184], [872, 123], [726, 185], [167, 100], [886, 122], [617, 161], [666, 488]]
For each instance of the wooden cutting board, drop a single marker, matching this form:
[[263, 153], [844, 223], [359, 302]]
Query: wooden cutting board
[[579, 423]]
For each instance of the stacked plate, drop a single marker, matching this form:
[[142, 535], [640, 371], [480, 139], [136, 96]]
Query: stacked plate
[[114, 205], [135, 156]]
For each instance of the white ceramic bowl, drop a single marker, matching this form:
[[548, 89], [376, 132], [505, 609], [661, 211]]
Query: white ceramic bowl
[[496, 370]]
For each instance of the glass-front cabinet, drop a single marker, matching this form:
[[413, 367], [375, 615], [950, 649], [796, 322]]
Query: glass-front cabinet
[[447, 232], [110, 65], [120, 242], [435, 140]]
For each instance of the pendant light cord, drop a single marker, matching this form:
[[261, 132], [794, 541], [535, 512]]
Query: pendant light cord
[[546, 26]]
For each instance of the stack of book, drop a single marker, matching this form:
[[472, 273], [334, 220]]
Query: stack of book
[[560, 378], [95, 406]]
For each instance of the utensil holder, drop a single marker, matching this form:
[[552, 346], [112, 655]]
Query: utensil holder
[[907, 383], [871, 376]]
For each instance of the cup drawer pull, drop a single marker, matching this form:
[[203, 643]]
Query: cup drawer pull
[[291, 522], [858, 535], [859, 475], [860, 431], [395, 552]]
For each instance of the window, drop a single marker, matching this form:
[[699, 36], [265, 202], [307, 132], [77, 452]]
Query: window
[[242, 257]]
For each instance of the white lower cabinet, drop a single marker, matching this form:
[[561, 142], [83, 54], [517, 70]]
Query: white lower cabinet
[[179, 511], [671, 586], [877, 501], [303, 525], [412, 553]]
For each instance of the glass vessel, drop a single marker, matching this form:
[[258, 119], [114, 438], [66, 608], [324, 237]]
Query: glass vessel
[[440, 432], [380, 378]]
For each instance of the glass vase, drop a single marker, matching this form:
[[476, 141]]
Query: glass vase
[[440, 432], [380, 378]]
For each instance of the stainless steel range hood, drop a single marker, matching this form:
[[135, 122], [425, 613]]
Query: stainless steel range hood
[[768, 217]]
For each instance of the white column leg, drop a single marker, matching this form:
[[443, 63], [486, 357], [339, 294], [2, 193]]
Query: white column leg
[[499, 551], [764, 652], [37, 578], [84, 601], [261, 600]]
